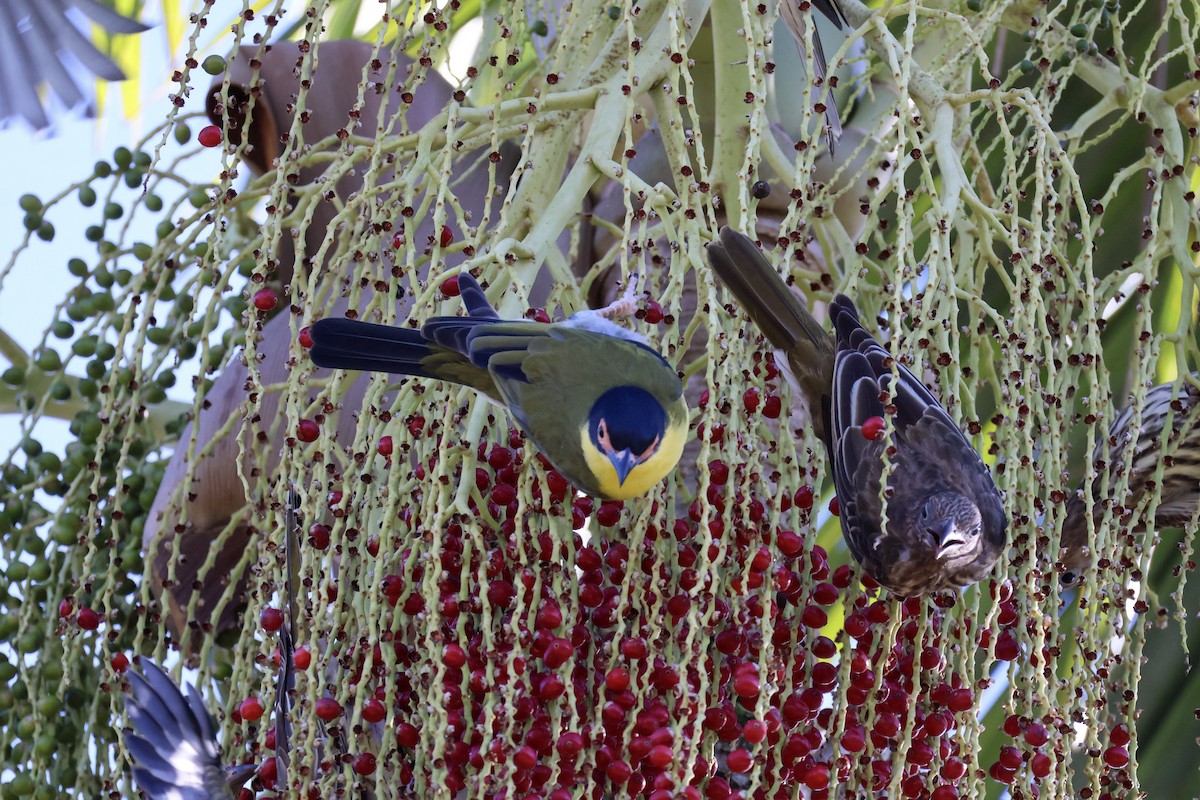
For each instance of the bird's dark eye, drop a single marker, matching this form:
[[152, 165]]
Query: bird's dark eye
[[1069, 578], [602, 437], [927, 511]]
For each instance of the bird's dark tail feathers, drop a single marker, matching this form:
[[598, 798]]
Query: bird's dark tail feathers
[[775, 309], [350, 344]]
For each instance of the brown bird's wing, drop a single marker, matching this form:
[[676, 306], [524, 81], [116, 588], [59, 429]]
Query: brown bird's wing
[[931, 453]]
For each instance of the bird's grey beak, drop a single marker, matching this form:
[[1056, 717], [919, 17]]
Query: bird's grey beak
[[945, 534], [237, 775], [623, 461]]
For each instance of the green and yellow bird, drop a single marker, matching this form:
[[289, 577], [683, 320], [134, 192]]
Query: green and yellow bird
[[604, 408]]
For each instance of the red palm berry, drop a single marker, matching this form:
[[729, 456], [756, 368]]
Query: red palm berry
[[617, 679], [271, 619], [119, 662], [854, 739], [449, 287], [407, 735], [364, 764], [772, 407], [373, 711], [251, 709], [446, 236], [653, 313], [265, 299], [308, 431], [872, 428], [1116, 757], [1119, 735], [1040, 765], [816, 777], [739, 760], [302, 657], [453, 655], [209, 136], [750, 400], [754, 731], [318, 535], [803, 499], [88, 619], [328, 709], [66, 607], [1036, 734]]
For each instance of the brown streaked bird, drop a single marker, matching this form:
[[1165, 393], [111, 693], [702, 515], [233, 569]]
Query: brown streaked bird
[[945, 525], [794, 18], [1177, 450]]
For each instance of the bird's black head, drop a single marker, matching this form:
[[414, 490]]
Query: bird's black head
[[627, 425]]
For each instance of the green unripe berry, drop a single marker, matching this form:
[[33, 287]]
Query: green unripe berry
[[133, 178], [1079, 29], [122, 157], [198, 197], [77, 267], [39, 571], [49, 361], [62, 329], [93, 233], [60, 391], [113, 210], [103, 278], [87, 196], [141, 159], [164, 229], [152, 202], [153, 394], [13, 376], [29, 202], [32, 221], [105, 351], [158, 336], [123, 276], [540, 28], [142, 251], [183, 134], [45, 231], [84, 346], [103, 301], [102, 169], [213, 65]]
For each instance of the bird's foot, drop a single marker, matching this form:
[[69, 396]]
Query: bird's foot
[[626, 304]]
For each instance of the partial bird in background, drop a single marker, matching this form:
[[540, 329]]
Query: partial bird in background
[[603, 407], [174, 742], [1138, 455], [40, 44], [795, 18], [945, 525]]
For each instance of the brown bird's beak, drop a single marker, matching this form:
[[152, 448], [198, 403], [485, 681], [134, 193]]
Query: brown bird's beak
[[237, 775], [945, 534]]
